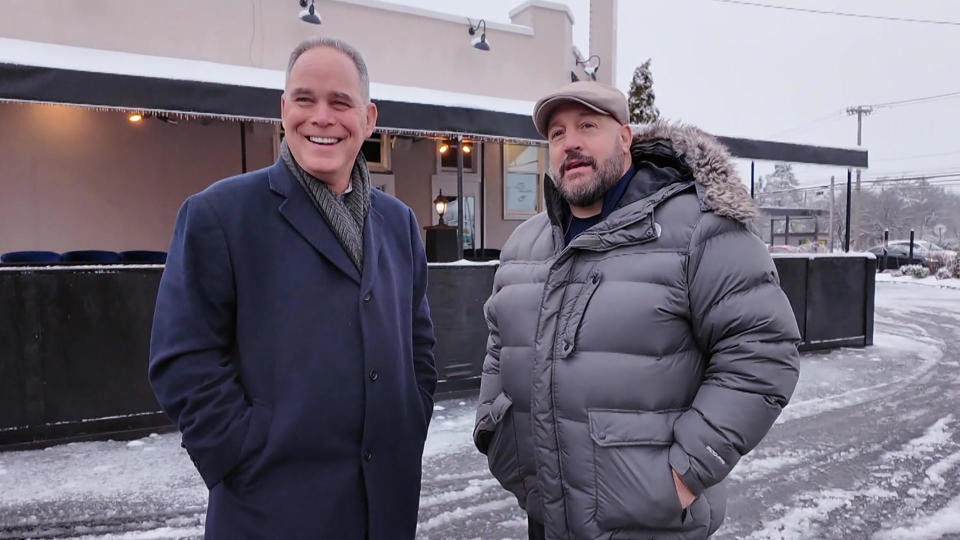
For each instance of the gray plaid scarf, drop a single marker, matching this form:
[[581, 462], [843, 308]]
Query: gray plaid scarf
[[345, 215]]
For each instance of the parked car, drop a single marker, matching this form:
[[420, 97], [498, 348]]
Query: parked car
[[781, 248], [935, 255], [897, 256], [927, 248]]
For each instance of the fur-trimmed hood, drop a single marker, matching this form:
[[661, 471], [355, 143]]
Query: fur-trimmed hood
[[705, 158], [692, 155]]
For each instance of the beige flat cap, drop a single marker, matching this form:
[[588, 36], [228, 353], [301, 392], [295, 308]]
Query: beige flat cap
[[593, 95]]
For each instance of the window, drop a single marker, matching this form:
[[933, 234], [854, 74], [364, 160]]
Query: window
[[521, 181], [376, 150]]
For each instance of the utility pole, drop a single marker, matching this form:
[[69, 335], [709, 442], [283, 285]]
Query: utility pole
[[832, 203], [860, 111]]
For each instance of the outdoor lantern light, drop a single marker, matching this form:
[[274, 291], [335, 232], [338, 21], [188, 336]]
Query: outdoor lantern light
[[446, 146], [309, 14], [589, 67], [135, 117], [441, 203], [479, 42]]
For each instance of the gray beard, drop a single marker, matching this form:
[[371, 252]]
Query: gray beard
[[608, 174]]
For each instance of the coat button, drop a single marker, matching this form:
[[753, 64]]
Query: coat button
[[601, 435], [374, 375], [567, 346], [367, 297], [368, 456]]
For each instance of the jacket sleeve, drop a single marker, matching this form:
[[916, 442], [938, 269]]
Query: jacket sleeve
[[191, 369], [490, 384], [743, 322], [423, 336]]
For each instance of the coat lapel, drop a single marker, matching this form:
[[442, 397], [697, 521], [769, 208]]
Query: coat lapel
[[372, 244], [303, 216]]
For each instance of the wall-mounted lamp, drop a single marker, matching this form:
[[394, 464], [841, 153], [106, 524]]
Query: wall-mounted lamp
[[447, 145], [309, 14], [479, 42], [441, 203], [137, 117], [590, 66]]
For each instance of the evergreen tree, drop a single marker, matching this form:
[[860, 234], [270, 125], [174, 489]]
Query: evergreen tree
[[779, 188], [640, 98]]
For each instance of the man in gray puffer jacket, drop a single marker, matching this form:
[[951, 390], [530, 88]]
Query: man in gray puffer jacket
[[640, 343]]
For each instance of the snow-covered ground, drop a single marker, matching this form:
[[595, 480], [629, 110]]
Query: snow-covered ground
[[868, 448]]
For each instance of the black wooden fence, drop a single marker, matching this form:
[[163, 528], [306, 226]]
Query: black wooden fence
[[74, 341]]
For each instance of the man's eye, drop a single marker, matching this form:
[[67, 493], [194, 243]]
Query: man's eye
[[589, 125], [555, 134], [302, 99]]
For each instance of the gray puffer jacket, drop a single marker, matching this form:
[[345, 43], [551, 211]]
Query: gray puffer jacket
[[658, 338]]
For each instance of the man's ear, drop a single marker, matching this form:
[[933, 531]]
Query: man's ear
[[371, 119], [626, 137]]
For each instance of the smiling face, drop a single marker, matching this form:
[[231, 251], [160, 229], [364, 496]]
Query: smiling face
[[325, 115], [589, 153]]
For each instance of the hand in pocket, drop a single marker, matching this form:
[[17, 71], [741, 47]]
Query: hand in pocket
[[683, 492]]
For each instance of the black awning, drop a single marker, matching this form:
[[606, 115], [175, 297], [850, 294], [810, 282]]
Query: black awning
[[796, 153], [72, 87], [85, 88], [53, 85]]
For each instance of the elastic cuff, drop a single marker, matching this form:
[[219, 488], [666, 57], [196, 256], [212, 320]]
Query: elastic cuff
[[680, 462]]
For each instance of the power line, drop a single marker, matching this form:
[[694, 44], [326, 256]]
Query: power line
[[904, 158], [932, 181], [835, 115], [914, 173], [840, 13], [916, 100]]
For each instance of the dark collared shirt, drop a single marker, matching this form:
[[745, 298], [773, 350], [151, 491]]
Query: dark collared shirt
[[610, 200]]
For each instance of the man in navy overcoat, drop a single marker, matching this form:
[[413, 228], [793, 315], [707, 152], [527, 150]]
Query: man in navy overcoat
[[292, 341]]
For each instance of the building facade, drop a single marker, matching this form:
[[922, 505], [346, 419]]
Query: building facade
[[78, 174]]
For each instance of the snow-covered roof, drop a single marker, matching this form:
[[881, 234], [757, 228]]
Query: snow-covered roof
[[50, 55]]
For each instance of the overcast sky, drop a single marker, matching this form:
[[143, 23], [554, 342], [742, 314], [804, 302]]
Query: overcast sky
[[766, 73]]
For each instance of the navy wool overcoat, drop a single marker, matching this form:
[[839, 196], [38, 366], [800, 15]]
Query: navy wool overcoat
[[303, 388]]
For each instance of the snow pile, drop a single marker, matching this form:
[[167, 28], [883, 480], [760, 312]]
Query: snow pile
[[930, 281]]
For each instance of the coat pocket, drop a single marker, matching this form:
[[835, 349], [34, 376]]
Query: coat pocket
[[634, 484], [502, 456], [248, 465]]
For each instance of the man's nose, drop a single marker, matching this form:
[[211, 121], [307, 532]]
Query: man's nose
[[322, 115], [572, 144]]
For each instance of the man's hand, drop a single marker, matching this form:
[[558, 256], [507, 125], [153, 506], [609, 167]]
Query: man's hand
[[686, 496]]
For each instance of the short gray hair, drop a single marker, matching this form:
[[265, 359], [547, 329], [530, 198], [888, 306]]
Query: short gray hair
[[337, 45]]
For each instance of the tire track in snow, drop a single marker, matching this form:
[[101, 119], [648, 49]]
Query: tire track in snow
[[851, 467], [810, 512]]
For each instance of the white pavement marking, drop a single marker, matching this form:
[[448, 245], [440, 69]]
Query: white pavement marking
[[463, 512], [936, 471], [475, 488], [927, 527], [163, 533]]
